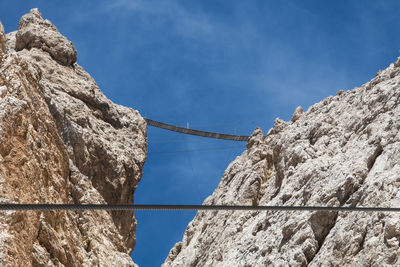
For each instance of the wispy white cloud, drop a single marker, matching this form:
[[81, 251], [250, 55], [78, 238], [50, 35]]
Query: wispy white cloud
[[188, 23]]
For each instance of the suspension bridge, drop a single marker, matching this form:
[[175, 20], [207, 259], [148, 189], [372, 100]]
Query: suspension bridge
[[170, 127]]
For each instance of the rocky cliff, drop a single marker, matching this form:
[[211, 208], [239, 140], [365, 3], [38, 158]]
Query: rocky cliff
[[62, 141], [343, 151]]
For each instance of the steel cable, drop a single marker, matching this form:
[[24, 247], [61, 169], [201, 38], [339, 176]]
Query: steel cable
[[13, 206]]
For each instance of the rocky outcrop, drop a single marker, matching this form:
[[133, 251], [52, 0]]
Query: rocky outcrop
[[2, 40], [34, 31], [63, 141], [343, 151]]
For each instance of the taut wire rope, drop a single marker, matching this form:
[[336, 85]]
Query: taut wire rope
[[13, 206]]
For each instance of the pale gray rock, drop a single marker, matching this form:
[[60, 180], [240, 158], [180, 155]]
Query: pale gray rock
[[34, 31], [63, 141], [297, 113], [10, 43], [343, 151]]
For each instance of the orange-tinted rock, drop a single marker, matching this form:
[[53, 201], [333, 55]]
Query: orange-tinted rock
[[63, 141]]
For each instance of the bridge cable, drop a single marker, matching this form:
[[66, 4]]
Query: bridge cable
[[13, 206]]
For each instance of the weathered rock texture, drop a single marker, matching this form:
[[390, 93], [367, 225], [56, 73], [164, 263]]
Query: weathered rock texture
[[63, 141], [343, 151]]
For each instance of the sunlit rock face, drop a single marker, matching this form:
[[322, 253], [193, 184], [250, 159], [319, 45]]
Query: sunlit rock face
[[63, 141], [343, 151]]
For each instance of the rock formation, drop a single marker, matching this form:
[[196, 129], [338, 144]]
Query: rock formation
[[62, 141], [343, 151]]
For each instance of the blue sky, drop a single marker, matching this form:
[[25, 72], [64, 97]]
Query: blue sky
[[224, 66]]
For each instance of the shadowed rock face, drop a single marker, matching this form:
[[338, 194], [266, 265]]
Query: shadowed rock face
[[343, 151], [2, 40], [63, 141]]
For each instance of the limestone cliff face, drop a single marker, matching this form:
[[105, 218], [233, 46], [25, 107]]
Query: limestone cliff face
[[343, 151], [63, 141]]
